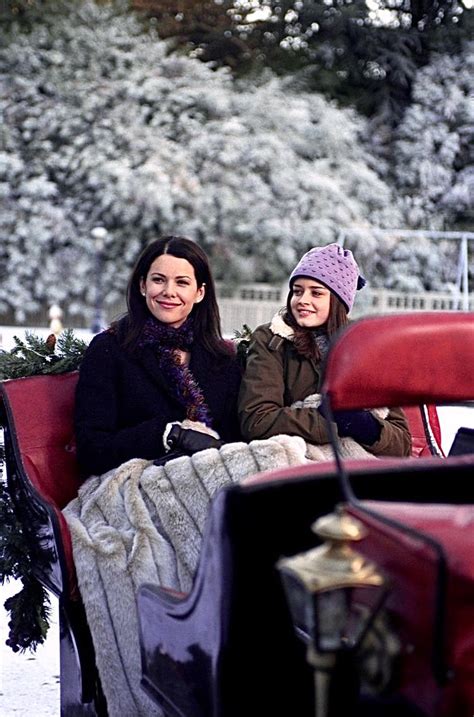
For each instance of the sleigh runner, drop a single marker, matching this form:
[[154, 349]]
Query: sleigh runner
[[229, 646]]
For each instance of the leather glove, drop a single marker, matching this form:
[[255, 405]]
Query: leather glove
[[188, 441], [359, 425]]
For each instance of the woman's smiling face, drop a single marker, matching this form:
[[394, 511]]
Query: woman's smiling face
[[310, 303], [170, 289]]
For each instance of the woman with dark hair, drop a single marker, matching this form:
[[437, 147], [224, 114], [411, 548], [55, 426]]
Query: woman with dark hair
[[279, 389], [163, 363]]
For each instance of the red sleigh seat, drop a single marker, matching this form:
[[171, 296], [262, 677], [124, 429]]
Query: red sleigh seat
[[42, 466], [43, 476]]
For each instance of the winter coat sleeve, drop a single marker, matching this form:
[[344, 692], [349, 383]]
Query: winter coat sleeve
[[103, 442], [262, 409], [219, 379], [395, 437]]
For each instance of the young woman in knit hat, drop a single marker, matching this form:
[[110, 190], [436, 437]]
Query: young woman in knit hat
[[285, 357], [165, 361]]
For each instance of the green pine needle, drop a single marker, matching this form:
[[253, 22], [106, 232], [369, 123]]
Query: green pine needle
[[29, 609], [35, 355]]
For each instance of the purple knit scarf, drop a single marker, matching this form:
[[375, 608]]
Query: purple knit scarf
[[167, 341]]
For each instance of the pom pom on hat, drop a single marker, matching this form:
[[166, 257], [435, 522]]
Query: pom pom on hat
[[335, 267]]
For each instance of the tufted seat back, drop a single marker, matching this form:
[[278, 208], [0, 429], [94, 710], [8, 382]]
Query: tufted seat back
[[41, 463], [40, 412]]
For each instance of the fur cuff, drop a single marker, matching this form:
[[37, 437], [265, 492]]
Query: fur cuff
[[314, 400], [194, 425]]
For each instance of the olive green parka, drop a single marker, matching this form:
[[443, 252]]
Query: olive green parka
[[276, 376]]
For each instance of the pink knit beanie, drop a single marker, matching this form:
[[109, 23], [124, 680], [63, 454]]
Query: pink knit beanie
[[333, 266]]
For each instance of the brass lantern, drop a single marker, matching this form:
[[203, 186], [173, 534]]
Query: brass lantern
[[334, 594]]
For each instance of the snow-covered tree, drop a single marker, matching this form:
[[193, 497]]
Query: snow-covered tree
[[101, 125], [434, 150]]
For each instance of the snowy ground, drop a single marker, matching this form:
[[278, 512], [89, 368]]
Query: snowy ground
[[29, 682]]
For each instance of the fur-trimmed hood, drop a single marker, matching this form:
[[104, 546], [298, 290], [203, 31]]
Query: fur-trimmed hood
[[279, 327]]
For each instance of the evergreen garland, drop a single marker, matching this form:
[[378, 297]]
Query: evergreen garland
[[35, 355], [29, 609], [242, 341]]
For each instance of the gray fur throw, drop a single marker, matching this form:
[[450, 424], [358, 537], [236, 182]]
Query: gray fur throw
[[144, 523]]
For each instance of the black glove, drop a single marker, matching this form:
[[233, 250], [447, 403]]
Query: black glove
[[359, 425], [188, 441]]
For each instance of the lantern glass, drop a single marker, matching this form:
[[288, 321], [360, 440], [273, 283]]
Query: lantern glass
[[332, 618], [343, 616], [301, 605]]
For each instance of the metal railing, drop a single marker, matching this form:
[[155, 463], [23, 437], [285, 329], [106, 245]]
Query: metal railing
[[255, 304]]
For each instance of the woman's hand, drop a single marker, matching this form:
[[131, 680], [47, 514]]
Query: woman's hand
[[188, 440], [359, 425]]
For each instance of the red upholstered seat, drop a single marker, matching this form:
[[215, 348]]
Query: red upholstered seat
[[39, 413], [398, 369], [425, 430]]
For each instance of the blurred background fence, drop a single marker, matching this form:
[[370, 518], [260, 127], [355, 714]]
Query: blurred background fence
[[255, 304]]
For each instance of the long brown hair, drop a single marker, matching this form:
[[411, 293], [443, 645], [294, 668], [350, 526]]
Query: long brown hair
[[207, 325], [304, 338]]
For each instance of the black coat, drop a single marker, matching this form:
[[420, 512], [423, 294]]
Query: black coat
[[123, 403]]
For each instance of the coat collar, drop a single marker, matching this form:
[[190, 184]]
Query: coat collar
[[280, 328], [146, 357], [200, 367]]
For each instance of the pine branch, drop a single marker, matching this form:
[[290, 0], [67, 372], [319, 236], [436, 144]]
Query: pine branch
[[30, 613], [35, 355], [242, 341], [29, 608]]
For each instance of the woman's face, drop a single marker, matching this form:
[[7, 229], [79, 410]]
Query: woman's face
[[310, 303], [170, 289]]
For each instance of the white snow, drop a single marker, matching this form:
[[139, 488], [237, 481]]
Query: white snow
[[451, 418], [29, 681]]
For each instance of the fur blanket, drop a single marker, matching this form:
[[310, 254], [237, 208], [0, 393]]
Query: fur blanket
[[142, 523]]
